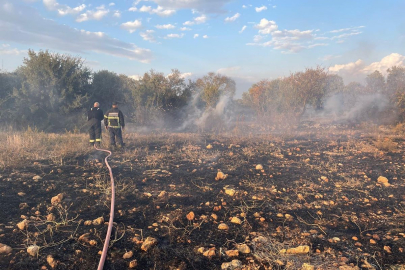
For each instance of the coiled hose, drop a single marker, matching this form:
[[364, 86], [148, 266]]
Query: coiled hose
[[110, 222]]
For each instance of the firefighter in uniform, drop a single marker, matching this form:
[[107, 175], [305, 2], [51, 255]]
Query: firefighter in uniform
[[114, 123], [94, 117]]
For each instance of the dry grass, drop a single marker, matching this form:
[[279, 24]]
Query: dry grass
[[17, 148]]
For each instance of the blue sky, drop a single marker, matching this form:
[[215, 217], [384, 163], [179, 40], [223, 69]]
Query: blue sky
[[246, 40]]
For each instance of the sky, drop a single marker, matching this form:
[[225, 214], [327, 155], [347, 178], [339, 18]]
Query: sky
[[245, 40]]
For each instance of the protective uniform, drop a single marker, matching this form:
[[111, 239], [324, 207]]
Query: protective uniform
[[94, 118], [114, 121]]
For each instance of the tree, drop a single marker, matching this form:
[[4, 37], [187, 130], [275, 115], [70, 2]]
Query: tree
[[53, 92], [375, 82], [8, 81], [396, 89], [212, 86]]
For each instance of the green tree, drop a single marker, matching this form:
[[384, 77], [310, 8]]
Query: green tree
[[53, 92], [212, 86], [375, 82], [396, 89]]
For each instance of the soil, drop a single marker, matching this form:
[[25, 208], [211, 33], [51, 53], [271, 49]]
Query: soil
[[316, 188]]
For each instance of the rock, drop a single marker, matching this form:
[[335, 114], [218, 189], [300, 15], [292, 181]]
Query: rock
[[221, 176], [93, 243], [233, 265], [259, 167], [98, 221], [236, 220], [201, 250], [23, 206], [387, 249], [229, 191], [373, 242], [23, 224], [223, 226], [33, 250], [214, 216], [21, 194], [347, 267], [133, 264], [37, 177], [4, 249], [209, 146], [50, 217], [162, 194], [307, 266], [298, 250], [84, 237], [243, 248], [128, 255], [88, 223], [51, 261], [384, 181], [148, 243], [190, 216], [57, 199], [232, 253], [209, 253]]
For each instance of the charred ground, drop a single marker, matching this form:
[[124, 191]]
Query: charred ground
[[317, 188]]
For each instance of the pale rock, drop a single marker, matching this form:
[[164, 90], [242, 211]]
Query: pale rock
[[209, 146], [84, 237], [50, 217], [209, 253], [4, 249], [243, 248], [229, 191], [236, 220], [98, 221], [93, 243], [221, 176], [133, 264], [51, 261], [259, 167], [57, 199], [88, 223], [23, 224], [190, 216], [37, 177], [298, 250], [387, 249], [33, 250], [214, 216], [223, 226], [128, 255], [148, 243], [201, 250], [233, 265], [21, 194], [162, 194], [307, 266], [232, 253], [384, 181]]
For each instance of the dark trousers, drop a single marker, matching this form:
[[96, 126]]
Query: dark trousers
[[115, 132], [95, 133]]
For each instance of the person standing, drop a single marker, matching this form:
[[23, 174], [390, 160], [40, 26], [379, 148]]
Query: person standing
[[114, 123], [94, 117]]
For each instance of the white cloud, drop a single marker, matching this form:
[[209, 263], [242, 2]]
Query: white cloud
[[258, 38], [266, 26], [229, 70], [345, 35], [132, 26], [359, 69], [23, 24], [165, 26], [182, 75], [185, 29], [62, 9], [196, 35], [197, 20], [111, 4], [135, 77], [329, 57], [175, 36], [260, 9], [243, 29], [96, 14], [133, 9], [158, 11], [148, 36], [244, 6], [203, 6], [347, 29], [233, 18], [205, 36], [117, 14], [6, 50]]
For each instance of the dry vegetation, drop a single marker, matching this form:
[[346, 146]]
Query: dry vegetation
[[311, 198]]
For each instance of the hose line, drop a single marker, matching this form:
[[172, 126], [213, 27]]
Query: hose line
[[110, 222]]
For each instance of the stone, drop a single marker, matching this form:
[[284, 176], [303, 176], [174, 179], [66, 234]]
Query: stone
[[214, 216], [98, 221], [236, 220], [133, 264], [21, 194], [307, 266], [387, 249], [128, 255], [383, 180], [190, 216], [57, 199], [223, 226], [259, 167], [232, 253], [4, 249], [221, 176], [93, 243], [209, 253], [51, 261], [33, 250], [148, 243], [243, 248], [50, 217], [162, 194], [37, 177], [233, 265], [84, 237], [229, 191], [23, 224], [297, 250], [88, 223]]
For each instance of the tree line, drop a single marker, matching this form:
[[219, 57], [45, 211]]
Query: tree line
[[52, 92]]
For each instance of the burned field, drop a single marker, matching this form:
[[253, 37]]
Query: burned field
[[310, 199]]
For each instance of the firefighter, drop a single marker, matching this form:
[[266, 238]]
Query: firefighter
[[114, 123], [94, 117]]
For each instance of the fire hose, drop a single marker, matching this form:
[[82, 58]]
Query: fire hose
[[110, 222]]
